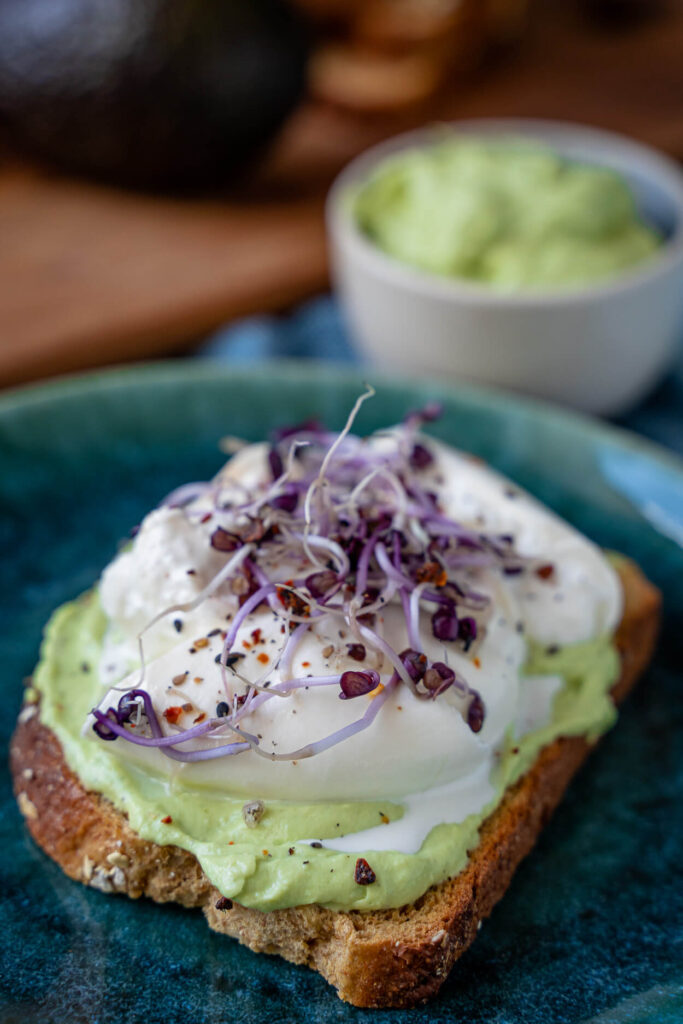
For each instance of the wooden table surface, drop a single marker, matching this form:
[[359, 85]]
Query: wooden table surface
[[91, 276]]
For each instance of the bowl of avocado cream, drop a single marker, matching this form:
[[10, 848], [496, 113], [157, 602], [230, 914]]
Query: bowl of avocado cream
[[538, 256]]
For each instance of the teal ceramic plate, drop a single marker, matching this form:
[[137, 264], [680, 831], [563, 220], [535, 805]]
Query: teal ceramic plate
[[591, 926]]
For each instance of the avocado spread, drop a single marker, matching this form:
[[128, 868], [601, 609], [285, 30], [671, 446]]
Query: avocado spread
[[268, 866], [508, 213]]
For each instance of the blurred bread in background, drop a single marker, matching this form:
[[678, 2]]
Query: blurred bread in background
[[386, 56]]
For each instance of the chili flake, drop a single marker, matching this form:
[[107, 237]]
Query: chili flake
[[545, 572], [167, 820], [172, 714], [293, 603], [263, 658], [432, 572]]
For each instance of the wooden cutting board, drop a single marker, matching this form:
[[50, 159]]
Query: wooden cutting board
[[92, 276]]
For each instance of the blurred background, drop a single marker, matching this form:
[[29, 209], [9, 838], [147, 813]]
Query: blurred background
[[164, 163]]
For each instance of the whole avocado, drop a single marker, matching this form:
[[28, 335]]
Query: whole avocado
[[151, 94]]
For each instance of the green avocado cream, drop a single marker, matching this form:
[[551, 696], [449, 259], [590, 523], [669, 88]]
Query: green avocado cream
[[255, 865], [507, 213]]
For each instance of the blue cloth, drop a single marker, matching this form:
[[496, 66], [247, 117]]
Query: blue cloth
[[660, 416], [316, 331]]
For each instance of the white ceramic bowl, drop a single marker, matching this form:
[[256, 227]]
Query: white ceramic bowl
[[598, 348]]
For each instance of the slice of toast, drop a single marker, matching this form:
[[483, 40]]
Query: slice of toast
[[390, 958]]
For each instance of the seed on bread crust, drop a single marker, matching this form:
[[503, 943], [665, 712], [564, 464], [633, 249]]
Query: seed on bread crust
[[118, 860], [27, 807]]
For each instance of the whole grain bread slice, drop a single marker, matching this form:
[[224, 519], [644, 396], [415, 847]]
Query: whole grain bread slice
[[391, 958]]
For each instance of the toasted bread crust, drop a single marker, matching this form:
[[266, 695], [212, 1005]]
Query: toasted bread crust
[[394, 958]]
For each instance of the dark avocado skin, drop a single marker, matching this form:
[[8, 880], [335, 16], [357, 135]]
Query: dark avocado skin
[[151, 94]]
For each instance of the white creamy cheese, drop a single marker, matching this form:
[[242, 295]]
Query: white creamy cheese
[[419, 752]]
